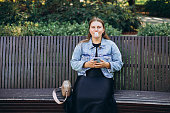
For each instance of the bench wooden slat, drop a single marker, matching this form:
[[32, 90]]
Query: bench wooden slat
[[6, 65], [142, 64], [51, 76], [156, 61], [159, 61], [67, 59], [44, 62], [135, 62], [10, 62], [162, 60], [32, 62], [139, 63], [128, 63], [167, 58], [70, 55], [143, 97], [141, 108], [20, 78], [47, 63], [60, 60], [34, 77], [146, 54], [22, 61], [41, 61], [38, 61], [13, 62], [152, 63], [27, 62], [1, 48], [132, 62], [125, 63], [127, 100], [145, 64], [57, 62], [63, 76], [54, 63]]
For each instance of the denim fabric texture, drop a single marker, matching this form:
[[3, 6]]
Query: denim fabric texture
[[108, 51]]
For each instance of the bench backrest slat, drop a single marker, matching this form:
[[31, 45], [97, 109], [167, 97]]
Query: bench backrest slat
[[146, 63], [44, 62]]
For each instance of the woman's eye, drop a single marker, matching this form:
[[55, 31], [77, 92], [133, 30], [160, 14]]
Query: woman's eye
[[98, 27]]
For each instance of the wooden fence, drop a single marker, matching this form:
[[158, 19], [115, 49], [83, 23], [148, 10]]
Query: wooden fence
[[44, 62]]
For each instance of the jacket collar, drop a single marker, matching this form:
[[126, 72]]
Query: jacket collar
[[101, 46]]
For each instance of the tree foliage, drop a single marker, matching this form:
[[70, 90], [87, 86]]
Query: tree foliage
[[21, 11]]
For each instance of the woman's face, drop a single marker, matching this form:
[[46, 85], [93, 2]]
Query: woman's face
[[97, 27]]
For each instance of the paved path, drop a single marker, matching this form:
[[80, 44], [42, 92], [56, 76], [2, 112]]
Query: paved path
[[154, 20]]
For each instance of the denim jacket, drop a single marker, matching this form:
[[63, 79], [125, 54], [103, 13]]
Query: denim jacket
[[107, 51]]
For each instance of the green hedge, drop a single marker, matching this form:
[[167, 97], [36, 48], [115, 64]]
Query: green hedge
[[162, 29], [51, 29], [119, 17]]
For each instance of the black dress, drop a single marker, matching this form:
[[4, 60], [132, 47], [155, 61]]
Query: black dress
[[93, 93]]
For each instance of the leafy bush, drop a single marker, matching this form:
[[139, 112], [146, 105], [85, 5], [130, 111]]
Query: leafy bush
[[119, 17], [158, 8], [19, 11], [8, 12], [162, 29], [51, 29]]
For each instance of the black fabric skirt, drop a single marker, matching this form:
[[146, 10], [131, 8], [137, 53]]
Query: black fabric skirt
[[93, 95]]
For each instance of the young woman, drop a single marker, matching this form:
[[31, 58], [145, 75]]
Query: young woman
[[95, 59]]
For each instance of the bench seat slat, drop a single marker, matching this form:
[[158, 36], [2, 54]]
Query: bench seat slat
[[121, 96], [145, 97], [31, 100]]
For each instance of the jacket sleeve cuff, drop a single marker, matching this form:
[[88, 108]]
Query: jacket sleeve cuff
[[111, 70], [115, 66]]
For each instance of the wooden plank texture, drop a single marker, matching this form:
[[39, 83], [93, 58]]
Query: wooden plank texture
[[44, 62], [41, 100], [1, 48]]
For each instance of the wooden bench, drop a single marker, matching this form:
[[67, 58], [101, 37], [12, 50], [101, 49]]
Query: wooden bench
[[30, 67], [40, 100]]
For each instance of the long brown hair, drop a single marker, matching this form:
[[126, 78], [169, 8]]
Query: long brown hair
[[104, 35]]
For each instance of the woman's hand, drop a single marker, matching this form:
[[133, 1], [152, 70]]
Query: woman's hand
[[95, 64], [102, 64], [90, 64]]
